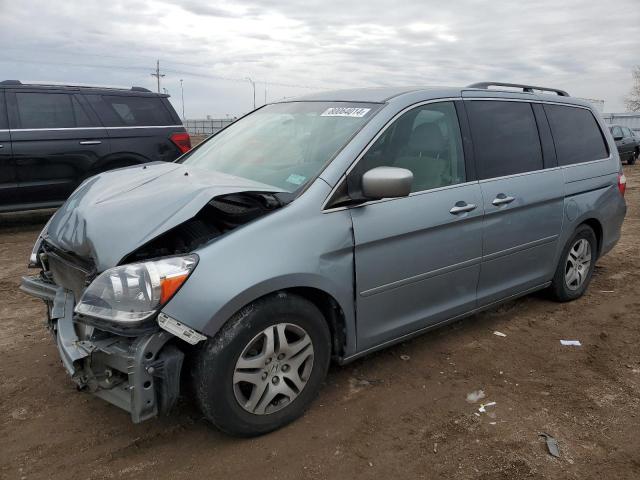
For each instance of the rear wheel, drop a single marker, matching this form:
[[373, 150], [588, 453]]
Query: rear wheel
[[576, 265], [264, 368]]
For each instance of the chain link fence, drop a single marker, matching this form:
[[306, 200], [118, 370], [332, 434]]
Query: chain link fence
[[206, 126]]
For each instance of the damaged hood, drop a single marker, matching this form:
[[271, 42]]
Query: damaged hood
[[112, 214]]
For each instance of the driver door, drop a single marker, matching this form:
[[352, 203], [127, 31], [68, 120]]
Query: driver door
[[417, 258]]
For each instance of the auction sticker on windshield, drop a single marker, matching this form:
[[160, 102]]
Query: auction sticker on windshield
[[345, 112]]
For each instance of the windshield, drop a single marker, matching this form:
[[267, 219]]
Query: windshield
[[284, 145]]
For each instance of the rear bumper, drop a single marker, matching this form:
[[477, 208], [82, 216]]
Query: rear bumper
[[138, 374]]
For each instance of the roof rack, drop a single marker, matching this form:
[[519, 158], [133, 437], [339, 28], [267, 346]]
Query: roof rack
[[77, 85], [525, 88]]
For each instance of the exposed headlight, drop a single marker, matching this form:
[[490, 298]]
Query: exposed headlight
[[33, 258], [132, 293]]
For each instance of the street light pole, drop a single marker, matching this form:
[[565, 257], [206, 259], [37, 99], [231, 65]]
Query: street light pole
[[182, 95], [253, 84]]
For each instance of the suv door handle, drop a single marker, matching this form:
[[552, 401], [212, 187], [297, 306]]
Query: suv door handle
[[90, 142], [462, 207], [502, 199]]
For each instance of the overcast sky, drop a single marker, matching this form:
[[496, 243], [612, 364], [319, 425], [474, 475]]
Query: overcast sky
[[293, 47]]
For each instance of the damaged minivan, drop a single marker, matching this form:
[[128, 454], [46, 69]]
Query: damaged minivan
[[321, 229]]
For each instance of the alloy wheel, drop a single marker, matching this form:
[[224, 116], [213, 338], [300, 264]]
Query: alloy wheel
[[578, 264], [273, 369]]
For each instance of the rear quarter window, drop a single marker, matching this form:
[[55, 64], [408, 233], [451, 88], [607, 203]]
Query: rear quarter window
[[505, 137], [576, 134], [130, 111]]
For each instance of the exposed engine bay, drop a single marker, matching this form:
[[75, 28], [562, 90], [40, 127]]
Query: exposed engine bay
[[220, 215]]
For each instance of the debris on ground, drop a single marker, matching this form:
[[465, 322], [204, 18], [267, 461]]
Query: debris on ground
[[499, 334], [571, 343], [552, 444], [483, 406], [405, 357], [473, 397]]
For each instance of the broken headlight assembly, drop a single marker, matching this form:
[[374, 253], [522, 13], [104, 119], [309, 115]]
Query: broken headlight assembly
[[132, 293]]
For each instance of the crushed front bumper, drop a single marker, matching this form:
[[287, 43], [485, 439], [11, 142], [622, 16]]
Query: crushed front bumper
[[138, 374]]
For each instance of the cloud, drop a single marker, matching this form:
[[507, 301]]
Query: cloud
[[585, 47]]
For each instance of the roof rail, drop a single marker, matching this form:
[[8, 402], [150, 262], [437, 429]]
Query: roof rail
[[525, 88], [77, 85]]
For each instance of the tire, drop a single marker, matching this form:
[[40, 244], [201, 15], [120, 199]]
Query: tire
[[633, 158], [569, 281], [273, 397]]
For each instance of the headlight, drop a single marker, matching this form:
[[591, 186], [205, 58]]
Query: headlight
[[132, 293]]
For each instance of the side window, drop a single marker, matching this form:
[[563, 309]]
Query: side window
[[122, 110], [425, 140], [45, 110], [626, 132], [3, 112], [616, 132], [505, 137], [576, 134]]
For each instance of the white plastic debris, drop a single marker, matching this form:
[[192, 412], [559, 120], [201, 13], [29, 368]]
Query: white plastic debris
[[499, 334], [405, 357], [473, 397], [571, 343], [483, 406]]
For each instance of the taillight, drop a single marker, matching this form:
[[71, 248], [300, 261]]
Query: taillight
[[182, 141], [622, 183]]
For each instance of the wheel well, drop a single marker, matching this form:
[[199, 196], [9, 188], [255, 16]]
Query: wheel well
[[332, 313], [596, 226]]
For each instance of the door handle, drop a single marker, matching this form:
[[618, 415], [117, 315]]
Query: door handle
[[502, 199], [462, 207], [90, 142]]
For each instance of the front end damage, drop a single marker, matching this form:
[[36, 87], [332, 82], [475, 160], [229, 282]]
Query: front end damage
[[137, 369], [138, 374]]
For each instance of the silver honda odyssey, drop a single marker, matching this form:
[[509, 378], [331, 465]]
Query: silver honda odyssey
[[321, 229]]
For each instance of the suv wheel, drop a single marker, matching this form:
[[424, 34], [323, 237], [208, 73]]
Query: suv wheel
[[265, 366], [633, 158], [576, 266]]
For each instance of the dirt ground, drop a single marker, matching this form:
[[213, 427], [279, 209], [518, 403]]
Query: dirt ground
[[400, 413]]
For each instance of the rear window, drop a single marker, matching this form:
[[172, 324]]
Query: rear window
[[576, 135], [50, 110], [505, 137], [130, 111]]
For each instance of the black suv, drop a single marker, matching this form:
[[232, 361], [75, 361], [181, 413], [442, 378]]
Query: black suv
[[627, 142], [52, 137]]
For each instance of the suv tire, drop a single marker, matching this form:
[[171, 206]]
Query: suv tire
[[264, 367], [633, 158], [576, 265]]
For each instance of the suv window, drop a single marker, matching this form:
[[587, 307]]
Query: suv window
[[50, 110], [425, 140], [576, 134], [627, 132], [505, 137], [3, 112], [126, 110]]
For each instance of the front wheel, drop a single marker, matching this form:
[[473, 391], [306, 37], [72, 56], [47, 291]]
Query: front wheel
[[633, 158], [576, 265], [265, 366]]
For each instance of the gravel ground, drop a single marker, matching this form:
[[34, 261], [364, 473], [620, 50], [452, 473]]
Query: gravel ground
[[401, 412]]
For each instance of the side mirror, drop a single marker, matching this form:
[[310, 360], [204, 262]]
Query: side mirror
[[386, 182]]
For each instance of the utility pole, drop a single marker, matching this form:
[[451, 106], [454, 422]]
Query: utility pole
[[157, 74], [253, 84], [182, 94]]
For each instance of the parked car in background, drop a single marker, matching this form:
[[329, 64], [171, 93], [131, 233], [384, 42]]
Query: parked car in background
[[52, 137], [627, 143], [322, 228]]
